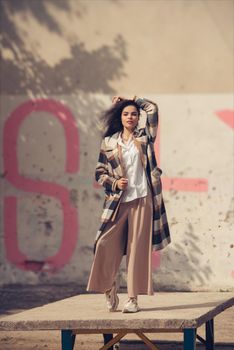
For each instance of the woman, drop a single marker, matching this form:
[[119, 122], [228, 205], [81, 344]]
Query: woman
[[134, 220]]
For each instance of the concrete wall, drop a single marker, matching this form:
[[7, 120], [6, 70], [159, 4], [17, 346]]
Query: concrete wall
[[61, 63]]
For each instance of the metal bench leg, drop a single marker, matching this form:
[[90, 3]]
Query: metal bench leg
[[67, 339], [190, 338], [210, 335], [107, 338]]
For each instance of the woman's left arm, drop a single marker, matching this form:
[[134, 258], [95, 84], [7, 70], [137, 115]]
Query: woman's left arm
[[151, 109]]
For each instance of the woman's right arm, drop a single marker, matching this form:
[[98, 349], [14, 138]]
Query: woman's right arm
[[102, 174]]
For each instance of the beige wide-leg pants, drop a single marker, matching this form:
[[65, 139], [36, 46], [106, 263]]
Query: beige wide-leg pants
[[136, 217]]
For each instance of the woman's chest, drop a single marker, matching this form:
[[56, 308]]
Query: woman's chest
[[130, 155]]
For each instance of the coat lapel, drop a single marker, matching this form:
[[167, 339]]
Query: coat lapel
[[143, 156], [111, 141], [114, 150]]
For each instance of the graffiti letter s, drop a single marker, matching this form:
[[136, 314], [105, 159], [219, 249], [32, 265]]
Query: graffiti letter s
[[11, 170]]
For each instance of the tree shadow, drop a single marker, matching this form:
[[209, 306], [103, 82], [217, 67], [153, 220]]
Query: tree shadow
[[183, 264], [87, 71], [180, 268]]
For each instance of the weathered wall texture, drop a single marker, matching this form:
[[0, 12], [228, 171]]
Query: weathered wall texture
[[61, 63]]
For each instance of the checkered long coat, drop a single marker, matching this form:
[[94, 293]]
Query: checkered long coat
[[110, 168]]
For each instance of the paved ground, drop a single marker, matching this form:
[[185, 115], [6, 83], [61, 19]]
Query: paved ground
[[16, 298]]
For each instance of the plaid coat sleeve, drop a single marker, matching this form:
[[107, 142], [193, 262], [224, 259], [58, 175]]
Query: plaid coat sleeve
[[151, 110], [102, 175]]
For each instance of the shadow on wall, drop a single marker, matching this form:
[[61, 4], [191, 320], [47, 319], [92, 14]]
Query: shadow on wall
[[192, 268], [182, 263], [26, 73]]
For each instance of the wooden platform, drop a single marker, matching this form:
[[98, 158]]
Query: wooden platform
[[163, 312]]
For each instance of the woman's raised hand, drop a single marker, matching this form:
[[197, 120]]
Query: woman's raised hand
[[120, 98], [122, 183], [117, 99]]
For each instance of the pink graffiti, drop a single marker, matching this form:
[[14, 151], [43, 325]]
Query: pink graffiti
[[185, 184], [59, 192], [179, 183], [156, 260], [227, 116]]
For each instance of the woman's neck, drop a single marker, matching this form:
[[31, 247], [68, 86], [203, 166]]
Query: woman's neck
[[126, 133]]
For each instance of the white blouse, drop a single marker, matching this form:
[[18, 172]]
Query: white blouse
[[134, 171]]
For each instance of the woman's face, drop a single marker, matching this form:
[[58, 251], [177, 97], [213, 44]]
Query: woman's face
[[129, 117]]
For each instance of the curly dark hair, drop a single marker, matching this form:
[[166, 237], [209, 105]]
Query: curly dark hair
[[112, 117]]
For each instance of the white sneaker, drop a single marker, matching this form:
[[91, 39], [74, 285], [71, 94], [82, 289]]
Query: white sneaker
[[131, 305], [112, 299]]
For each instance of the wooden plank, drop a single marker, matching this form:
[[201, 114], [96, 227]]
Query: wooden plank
[[147, 341], [118, 330], [113, 341], [216, 309]]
